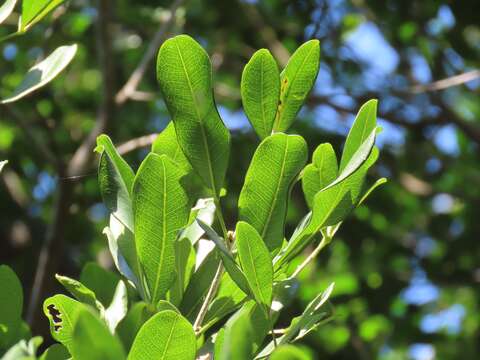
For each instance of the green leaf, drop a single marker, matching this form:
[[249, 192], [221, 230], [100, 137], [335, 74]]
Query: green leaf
[[321, 172], [264, 196], [11, 304], [231, 266], [184, 73], [61, 312], [118, 308], [128, 328], [80, 292], [55, 352], [121, 243], [260, 90], [377, 183], [24, 350], [364, 124], [184, 266], [204, 210], [297, 79], [6, 9], [166, 336], [102, 282], [34, 10], [256, 263], [2, 164], [91, 339], [290, 352], [237, 339], [161, 209], [115, 178], [44, 72], [166, 143]]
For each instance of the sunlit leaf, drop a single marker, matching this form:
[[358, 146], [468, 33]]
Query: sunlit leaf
[[44, 72], [6, 9], [35, 10]]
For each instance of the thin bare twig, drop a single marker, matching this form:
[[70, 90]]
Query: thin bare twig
[[137, 143], [447, 83], [130, 87]]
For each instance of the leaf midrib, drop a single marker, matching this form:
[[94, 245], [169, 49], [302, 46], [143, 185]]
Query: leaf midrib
[[200, 120], [169, 337], [250, 258]]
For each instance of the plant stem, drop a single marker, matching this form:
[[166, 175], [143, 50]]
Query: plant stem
[[310, 257], [210, 295]]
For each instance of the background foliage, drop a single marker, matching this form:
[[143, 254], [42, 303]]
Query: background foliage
[[404, 265]]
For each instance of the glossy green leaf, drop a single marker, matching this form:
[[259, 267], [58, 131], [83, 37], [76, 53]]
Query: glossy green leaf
[[263, 199], [115, 178], [34, 10], [128, 328], [290, 352], [62, 312], [231, 266], [204, 210], [91, 339], [11, 304], [24, 350], [161, 208], [297, 79], [166, 143], [237, 339], [6, 9], [80, 291], [260, 90], [184, 266], [321, 172], [44, 72], [55, 352], [118, 308], [121, 243], [365, 122], [166, 336], [102, 282], [184, 73], [256, 263]]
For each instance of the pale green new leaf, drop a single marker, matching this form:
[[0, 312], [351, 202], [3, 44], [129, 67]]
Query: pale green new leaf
[[184, 73], [322, 171], [44, 72], [91, 339], [260, 90], [80, 292], [297, 79], [256, 263], [35, 10], [6, 9], [161, 209], [166, 336], [231, 266], [115, 178], [61, 312], [118, 308], [264, 196], [11, 304], [365, 122]]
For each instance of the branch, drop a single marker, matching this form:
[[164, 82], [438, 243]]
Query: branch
[[129, 89], [446, 83], [137, 143]]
